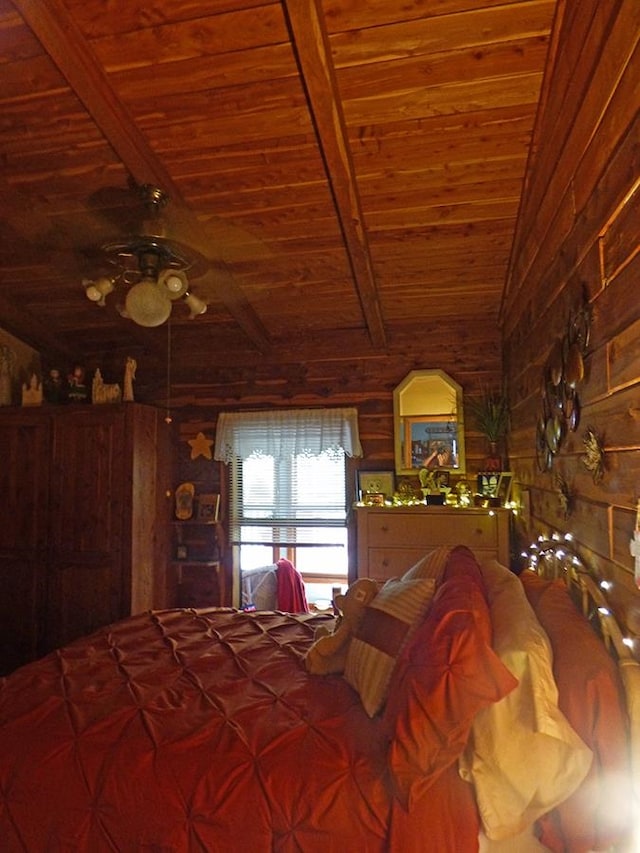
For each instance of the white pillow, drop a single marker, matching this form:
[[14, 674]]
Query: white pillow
[[523, 757], [386, 626]]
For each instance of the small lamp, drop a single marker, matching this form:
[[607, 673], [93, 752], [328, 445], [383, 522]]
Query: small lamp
[[173, 282], [98, 290], [196, 305]]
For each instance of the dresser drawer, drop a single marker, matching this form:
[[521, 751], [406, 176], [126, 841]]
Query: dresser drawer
[[390, 540], [385, 563], [431, 529]]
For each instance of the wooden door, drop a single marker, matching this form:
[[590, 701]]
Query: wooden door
[[24, 495], [89, 501]]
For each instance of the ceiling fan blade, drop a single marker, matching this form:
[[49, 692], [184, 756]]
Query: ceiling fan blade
[[213, 238]]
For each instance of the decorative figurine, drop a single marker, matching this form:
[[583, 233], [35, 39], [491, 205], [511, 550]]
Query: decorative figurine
[[78, 392], [32, 393], [55, 388], [129, 376], [102, 392], [593, 459], [7, 366]]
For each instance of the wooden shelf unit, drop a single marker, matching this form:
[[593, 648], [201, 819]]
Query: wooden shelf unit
[[198, 574]]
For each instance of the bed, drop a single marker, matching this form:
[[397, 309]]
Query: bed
[[461, 723]]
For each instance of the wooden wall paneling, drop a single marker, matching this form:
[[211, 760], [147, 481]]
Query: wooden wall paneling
[[587, 171], [620, 484], [622, 357], [616, 306], [622, 520], [617, 417], [556, 206], [619, 243], [149, 487]]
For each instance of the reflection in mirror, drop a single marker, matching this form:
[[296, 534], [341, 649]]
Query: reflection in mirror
[[428, 423]]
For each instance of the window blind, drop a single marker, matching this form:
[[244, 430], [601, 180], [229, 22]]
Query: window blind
[[289, 500]]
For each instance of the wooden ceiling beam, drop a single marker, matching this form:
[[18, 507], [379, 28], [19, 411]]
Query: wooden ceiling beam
[[311, 44], [68, 48]]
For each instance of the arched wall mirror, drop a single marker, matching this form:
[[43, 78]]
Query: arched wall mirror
[[428, 423]]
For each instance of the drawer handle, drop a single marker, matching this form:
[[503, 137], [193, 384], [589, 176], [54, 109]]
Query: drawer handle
[[384, 528]]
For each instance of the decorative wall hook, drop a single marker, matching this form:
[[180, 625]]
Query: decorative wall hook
[[565, 496], [593, 460]]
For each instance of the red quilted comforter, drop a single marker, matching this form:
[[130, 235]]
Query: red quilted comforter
[[183, 731], [189, 731]]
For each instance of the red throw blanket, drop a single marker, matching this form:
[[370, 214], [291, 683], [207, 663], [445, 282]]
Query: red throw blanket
[[291, 594]]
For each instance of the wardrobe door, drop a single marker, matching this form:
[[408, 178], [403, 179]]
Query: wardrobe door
[[85, 584], [24, 485]]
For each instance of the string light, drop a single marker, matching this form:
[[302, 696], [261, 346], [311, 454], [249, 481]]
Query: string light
[[544, 549]]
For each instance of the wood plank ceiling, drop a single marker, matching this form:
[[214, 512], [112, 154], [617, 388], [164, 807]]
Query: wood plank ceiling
[[344, 170]]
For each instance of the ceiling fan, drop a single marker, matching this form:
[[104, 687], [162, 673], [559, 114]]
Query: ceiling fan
[[152, 264]]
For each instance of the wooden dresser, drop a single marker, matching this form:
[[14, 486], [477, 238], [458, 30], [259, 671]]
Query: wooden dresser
[[391, 540]]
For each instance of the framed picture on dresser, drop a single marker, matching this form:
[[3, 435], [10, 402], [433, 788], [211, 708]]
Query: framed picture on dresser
[[376, 483]]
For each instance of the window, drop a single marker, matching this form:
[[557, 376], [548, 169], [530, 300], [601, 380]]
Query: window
[[288, 490], [293, 507]]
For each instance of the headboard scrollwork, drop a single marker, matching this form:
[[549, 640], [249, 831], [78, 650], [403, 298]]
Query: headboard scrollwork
[[556, 558]]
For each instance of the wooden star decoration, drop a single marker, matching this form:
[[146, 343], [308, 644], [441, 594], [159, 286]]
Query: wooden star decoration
[[201, 446]]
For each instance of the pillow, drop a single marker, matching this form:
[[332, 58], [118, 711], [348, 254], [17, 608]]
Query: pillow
[[430, 566], [523, 757], [590, 694], [386, 626], [446, 674], [460, 562]]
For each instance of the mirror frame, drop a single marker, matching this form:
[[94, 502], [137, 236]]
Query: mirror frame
[[398, 422]]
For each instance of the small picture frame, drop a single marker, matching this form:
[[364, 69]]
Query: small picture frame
[[208, 507], [504, 487], [443, 479], [488, 483], [376, 483], [373, 499]]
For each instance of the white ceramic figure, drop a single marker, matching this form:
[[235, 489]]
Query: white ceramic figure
[[32, 393], [129, 376]]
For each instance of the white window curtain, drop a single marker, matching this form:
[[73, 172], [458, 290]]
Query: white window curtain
[[286, 433]]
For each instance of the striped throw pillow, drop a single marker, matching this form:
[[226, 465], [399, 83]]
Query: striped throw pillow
[[386, 626]]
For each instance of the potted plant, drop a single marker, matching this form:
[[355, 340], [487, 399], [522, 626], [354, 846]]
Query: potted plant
[[490, 414]]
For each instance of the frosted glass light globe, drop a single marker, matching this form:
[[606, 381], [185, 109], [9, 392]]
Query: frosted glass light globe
[[146, 304]]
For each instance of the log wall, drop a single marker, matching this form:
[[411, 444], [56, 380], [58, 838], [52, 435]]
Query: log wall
[[579, 236]]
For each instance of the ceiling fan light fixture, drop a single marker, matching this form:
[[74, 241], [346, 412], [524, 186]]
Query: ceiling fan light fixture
[[147, 304], [151, 266], [97, 291], [196, 305], [173, 282]]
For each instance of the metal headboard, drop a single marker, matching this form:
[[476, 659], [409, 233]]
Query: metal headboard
[[556, 558]]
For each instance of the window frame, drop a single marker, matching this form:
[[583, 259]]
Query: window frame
[[287, 544]]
